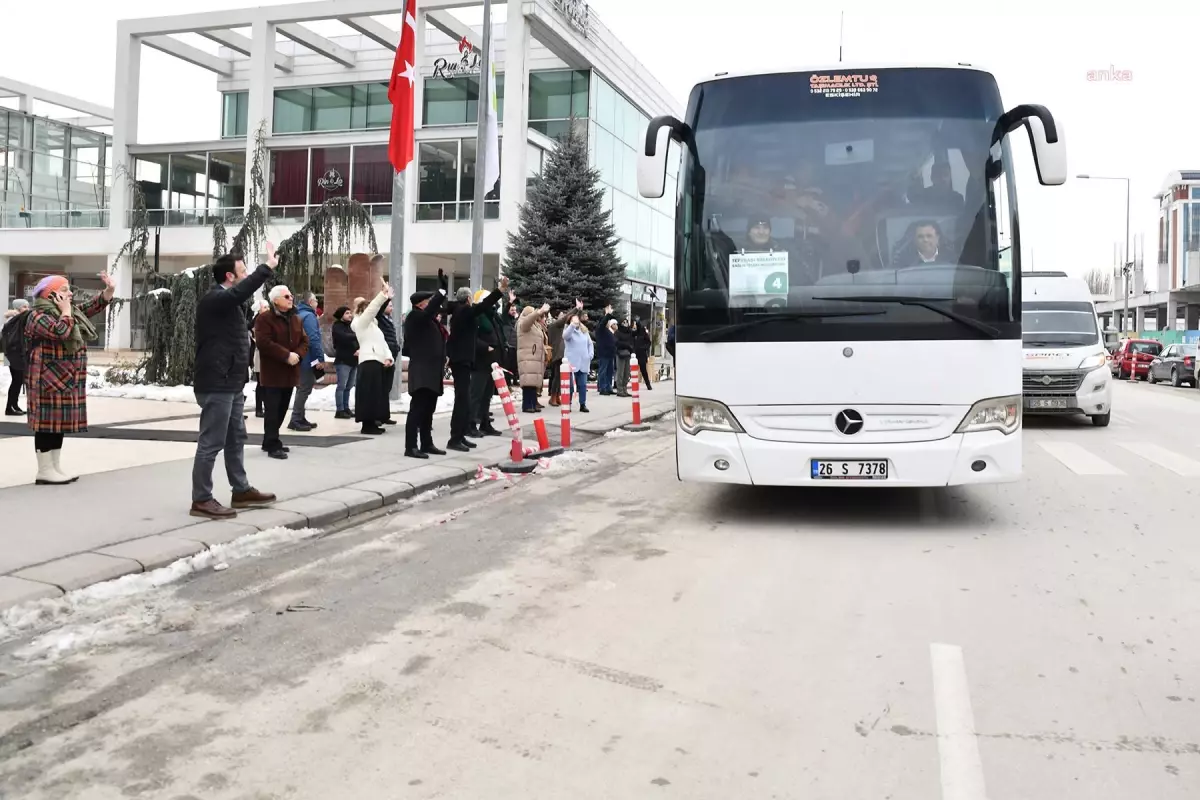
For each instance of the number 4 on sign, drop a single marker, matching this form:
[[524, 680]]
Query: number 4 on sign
[[777, 283]]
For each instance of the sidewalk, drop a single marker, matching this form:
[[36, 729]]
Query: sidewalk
[[129, 511]]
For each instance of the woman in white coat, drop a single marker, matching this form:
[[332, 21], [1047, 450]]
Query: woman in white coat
[[371, 399]]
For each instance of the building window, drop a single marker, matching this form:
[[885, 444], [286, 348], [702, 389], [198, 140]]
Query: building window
[[234, 109], [289, 184], [330, 174], [373, 178], [348, 107], [331, 108], [293, 111], [455, 101], [554, 97], [447, 182]]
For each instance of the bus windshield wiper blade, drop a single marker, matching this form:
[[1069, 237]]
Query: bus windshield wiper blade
[[778, 316], [930, 303]]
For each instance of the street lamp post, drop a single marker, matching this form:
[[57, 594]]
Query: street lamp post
[[1127, 267]]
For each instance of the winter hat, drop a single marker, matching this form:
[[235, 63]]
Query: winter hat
[[337, 315], [20, 304], [51, 283], [419, 297]]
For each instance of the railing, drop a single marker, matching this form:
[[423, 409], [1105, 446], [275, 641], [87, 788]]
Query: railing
[[380, 212], [455, 212], [57, 218], [187, 217]]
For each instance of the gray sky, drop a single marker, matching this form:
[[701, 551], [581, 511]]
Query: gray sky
[[1142, 129]]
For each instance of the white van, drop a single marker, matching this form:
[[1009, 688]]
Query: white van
[[1065, 357]]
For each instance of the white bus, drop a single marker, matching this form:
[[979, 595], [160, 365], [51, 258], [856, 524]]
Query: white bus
[[841, 313]]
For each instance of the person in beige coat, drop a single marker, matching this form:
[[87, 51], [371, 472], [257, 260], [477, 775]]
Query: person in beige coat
[[531, 355]]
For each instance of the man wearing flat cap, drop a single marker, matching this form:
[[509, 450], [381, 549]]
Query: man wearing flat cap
[[426, 365]]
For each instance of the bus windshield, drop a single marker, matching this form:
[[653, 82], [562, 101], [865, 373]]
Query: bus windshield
[[865, 205], [1059, 325]]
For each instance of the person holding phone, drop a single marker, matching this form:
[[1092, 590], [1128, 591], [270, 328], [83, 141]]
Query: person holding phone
[[56, 336]]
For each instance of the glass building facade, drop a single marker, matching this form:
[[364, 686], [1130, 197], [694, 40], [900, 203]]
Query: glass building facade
[[54, 175], [192, 188], [646, 227]]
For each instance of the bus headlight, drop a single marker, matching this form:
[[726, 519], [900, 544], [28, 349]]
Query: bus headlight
[[996, 414], [705, 415], [1094, 362]]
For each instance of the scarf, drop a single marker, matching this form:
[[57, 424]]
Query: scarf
[[485, 323], [81, 333]]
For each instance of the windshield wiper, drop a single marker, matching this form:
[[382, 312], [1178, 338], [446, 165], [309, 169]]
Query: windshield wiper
[[930, 303], [1049, 343], [778, 316]]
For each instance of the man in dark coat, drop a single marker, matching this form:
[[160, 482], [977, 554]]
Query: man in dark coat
[[426, 348], [282, 344], [388, 326], [461, 350], [222, 362]]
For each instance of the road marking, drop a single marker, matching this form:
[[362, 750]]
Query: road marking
[[1079, 460], [958, 747], [1180, 465]]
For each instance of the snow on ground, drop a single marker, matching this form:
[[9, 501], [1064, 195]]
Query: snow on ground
[[111, 612], [620, 433], [107, 612], [569, 462]]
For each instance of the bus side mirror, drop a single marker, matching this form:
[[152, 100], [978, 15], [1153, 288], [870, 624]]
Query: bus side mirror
[[652, 161], [1049, 157], [1045, 139]]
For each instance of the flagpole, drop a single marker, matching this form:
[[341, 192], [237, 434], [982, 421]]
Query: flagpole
[[397, 264], [484, 107]]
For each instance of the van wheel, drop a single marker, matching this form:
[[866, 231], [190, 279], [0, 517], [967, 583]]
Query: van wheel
[[1102, 420]]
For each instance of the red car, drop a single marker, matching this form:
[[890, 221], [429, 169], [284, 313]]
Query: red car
[[1131, 359]]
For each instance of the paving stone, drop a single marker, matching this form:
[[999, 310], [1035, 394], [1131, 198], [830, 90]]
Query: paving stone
[[15, 591], [216, 532], [355, 500], [318, 513], [153, 552], [80, 570], [429, 476], [264, 519], [389, 491]]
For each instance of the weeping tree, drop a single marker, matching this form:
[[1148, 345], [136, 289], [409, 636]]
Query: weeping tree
[[172, 299]]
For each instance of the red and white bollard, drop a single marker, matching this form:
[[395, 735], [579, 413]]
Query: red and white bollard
[[637, 425], [517, 455], [564, 391]]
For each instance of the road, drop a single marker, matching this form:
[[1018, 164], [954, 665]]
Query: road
[[606, 632]]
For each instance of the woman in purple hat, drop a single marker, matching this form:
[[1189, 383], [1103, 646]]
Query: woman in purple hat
[[57, 335]]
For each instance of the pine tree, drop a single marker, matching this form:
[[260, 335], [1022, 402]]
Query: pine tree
[[566, 246]]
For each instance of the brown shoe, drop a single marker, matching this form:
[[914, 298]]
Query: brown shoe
[[211, 509], [252, 498]]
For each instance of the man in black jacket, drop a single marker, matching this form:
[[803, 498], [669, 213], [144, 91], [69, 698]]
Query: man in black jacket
[[426, 364], [388, 326], [222, 362], [461, 350]]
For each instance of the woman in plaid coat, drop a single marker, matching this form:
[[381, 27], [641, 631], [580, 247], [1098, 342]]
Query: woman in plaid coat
[[56, 337]]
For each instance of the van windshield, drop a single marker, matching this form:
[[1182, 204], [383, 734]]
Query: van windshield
[[1058, 324]]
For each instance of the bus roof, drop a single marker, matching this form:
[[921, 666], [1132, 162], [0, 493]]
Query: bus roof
[[851, 68]]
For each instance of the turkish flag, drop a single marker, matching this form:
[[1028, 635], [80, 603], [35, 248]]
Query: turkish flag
[[402, 91]]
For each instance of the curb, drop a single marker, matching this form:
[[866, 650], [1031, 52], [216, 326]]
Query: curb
[[332, 507]]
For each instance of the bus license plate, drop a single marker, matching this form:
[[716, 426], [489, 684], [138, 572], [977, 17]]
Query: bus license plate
[[849, 470], [1046, 402]]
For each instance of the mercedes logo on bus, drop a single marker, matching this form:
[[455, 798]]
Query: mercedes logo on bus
[[848, 351], [848, 422]]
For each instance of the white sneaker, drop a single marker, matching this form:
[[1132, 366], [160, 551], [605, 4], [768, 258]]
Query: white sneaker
[[58, 466], [47, 474]]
